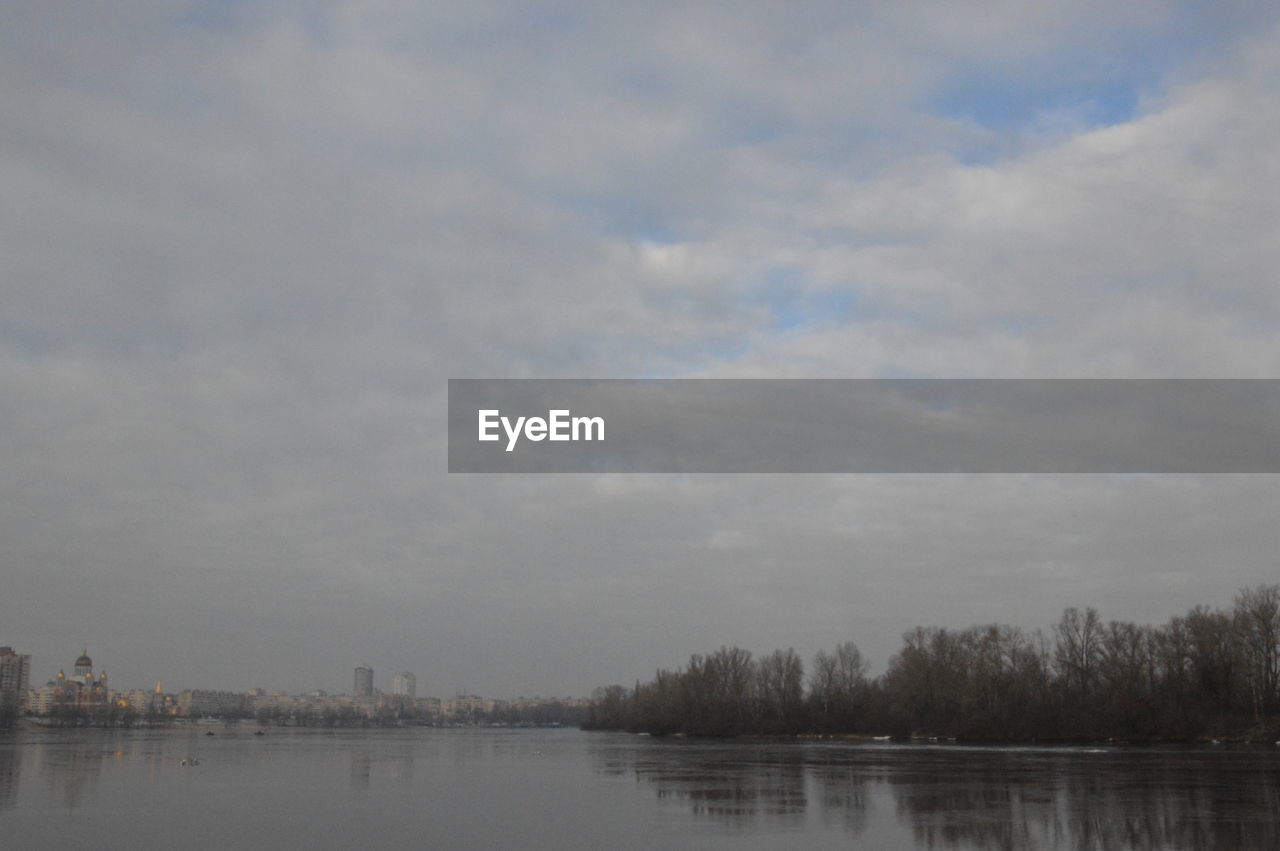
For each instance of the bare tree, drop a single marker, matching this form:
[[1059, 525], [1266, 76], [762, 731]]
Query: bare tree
[[780, 691], [838, 688], [1257, 627], [1079, 639]]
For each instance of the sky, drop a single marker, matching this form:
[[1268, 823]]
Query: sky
[[244, 245]]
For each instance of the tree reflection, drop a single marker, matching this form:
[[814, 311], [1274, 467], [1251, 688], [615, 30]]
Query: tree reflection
[[843, 796], [1092, 799], [738, 791], [958, 797]]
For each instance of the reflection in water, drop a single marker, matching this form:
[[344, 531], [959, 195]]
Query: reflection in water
[[843, 798], [74, 771], [570, 790], [957, 797], [739, 784], [365, 761], [361, 767], [737, 789], [10, 768], [1091, 798]]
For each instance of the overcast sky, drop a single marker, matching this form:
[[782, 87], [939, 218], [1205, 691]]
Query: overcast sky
[[244, 245]]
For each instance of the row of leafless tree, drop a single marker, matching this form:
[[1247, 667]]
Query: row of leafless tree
[[1208, 673]]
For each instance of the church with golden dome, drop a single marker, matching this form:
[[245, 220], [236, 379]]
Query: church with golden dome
[[82, 694]]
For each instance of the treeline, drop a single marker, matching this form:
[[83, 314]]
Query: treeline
[[547, 714], [1205, 674]]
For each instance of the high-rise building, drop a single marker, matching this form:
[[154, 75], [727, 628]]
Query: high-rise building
[[405, 685], [15, 674], [364, 681]]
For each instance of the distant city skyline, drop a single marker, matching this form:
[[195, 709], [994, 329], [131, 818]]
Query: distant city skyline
[[86, 697], [16, 667]]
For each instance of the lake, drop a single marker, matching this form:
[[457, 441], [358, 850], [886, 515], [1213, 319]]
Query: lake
[[566, 789]]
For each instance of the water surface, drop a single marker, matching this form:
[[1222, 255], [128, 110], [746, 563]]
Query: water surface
[[565, 789]]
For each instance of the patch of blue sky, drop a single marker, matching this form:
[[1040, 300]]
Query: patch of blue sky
[[222, 16], [741, 124], [813, 308], [1013, 112], [623, 218], [643, 83], [1003, 104], [552, 28], [23, 340], [794, 303], [694, 358], [1100, 84], [212, 14], [1023, 324]]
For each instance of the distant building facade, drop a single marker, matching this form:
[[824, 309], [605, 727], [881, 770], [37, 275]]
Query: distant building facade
[[466, 706], [15, 672], [197, 703], [405, 685], [364, 682], [15, 681]]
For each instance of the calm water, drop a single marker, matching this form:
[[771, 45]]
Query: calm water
[[565, 789]]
